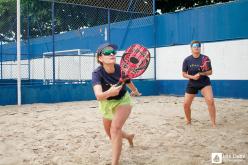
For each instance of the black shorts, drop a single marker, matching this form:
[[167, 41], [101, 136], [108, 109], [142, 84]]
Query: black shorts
[[195, 89]]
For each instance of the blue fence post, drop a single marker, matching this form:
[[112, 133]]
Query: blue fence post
[[28, 31], [154, 33], [109, 26], [53, 41], [129, 21], [1, 59]]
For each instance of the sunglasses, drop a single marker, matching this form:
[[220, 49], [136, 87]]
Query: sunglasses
[[196, 45], [108, 52]]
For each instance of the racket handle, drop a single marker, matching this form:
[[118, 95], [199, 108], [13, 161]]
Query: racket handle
[[119, 83]]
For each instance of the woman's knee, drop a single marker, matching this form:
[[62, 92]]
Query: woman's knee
[[114, 129], [210, 101]]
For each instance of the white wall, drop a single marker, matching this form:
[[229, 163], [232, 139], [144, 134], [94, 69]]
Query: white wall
[[67, 68], [229, 60]]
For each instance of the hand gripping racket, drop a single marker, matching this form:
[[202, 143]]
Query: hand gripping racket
[[134, 62]]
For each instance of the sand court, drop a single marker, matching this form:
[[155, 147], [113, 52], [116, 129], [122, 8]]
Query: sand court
[[72, 133]]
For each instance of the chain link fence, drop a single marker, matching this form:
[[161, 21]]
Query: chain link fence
[[59, 37], [7, 37]]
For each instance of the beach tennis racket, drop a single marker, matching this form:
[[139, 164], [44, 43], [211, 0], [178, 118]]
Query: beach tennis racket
[[204, 64], [134, 62]]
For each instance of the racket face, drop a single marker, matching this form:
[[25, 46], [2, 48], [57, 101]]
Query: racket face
[[204, 64], [134, 61]]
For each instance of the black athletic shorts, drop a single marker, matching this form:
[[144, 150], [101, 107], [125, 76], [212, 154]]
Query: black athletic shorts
[[195, 89]]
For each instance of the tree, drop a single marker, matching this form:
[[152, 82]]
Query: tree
[[36, 15], [7, 20], [35, 9]]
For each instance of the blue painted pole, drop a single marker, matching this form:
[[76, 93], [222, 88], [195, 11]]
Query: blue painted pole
[[1, 59], [53, 41], [129, 21], [28, 32], [155, 42], [109, 26]]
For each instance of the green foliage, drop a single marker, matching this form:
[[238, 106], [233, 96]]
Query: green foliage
[[7, 19], [33, 10], [36, 15]]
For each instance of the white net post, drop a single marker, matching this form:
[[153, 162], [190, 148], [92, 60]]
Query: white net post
[[18, 15]]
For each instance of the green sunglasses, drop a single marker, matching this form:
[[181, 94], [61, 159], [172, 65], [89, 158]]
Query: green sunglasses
[[108, 52]]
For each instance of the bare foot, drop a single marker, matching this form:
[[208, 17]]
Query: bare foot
[[130, 139], [188, 122], [214, 125]]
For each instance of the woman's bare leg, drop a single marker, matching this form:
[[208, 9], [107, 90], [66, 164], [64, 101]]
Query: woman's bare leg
[[208, 95], [107, 126], [118, 121], [188, 98]]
